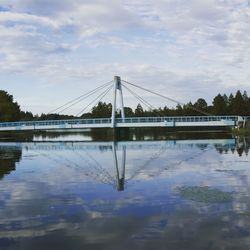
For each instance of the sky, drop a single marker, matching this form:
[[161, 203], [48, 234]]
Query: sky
[[52, 51]]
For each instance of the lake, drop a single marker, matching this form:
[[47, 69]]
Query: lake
[[78, 191]]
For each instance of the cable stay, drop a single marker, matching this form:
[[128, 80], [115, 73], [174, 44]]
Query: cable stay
[[96, 100], [79, 98], [167, 98], [108, 86], [146, 103]]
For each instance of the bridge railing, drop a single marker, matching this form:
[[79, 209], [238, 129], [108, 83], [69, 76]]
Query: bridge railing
[[118, 120], [176, 119], [56, 122]]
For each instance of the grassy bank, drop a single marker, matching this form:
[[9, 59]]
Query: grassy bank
[[241, 131]]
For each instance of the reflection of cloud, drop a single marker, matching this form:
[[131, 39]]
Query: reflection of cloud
[[51, 196]]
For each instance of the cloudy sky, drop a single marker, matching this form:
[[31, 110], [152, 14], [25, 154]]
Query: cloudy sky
[[54, 50]]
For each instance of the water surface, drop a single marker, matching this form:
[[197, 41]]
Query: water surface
[[150, 194]]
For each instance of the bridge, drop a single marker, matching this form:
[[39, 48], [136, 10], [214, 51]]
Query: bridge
[[185, 121], [206, 120]]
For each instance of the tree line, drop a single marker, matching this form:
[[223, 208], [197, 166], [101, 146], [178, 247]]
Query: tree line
[[233, 104], [238, 104]]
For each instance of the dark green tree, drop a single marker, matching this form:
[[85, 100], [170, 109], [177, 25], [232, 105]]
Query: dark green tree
[[201, 104], [226, 99], [245, 96], [188, 109], [139, 110], [247, 103], [179, 110], [128, 112], [219, 105], [238, 107], [9, 110], [230, 104], [102, 110], [26, 116]]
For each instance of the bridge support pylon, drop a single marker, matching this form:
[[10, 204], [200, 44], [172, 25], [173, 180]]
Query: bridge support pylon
[[117, 87]]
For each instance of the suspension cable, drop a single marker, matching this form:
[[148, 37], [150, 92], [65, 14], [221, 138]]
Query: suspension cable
[[98, 98], [167, 98], [80, 98]]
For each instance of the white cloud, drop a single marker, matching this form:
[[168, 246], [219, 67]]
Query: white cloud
[[24, 18], [184, 43]]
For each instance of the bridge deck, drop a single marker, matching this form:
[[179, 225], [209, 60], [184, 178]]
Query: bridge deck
[[183, 121]]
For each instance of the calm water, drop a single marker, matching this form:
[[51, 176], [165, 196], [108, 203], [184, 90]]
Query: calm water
[[151, 194]]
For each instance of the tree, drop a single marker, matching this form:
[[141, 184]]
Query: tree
[[188, 109], [9, 110], [238, 104], [230, 104], [201, 104], [166, 111], [128, 112], [179, 110], [246, 103], [26, 116], [226, 99], [245, 96], [102, 110], [219, 105], [139, 110]]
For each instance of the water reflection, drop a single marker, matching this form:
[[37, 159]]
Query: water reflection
[[174, 194], [241, 146], [120, 174], [9, 156]]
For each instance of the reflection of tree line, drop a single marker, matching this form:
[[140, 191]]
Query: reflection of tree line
[[9, 156], [14, 136], [133, 134], [141, 134], [241, 147]]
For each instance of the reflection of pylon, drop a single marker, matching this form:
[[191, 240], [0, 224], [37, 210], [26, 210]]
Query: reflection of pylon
[[117, 86], [120, 177]]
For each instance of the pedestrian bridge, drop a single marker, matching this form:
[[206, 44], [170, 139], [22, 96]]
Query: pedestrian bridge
[[206, 120], [133, 122]]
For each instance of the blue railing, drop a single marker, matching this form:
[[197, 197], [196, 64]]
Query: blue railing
[[118, 120], [176, 119], [56, 122]]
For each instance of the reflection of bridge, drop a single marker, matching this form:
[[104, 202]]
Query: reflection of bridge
[[48, 146], [124, 122], [119, 152]]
